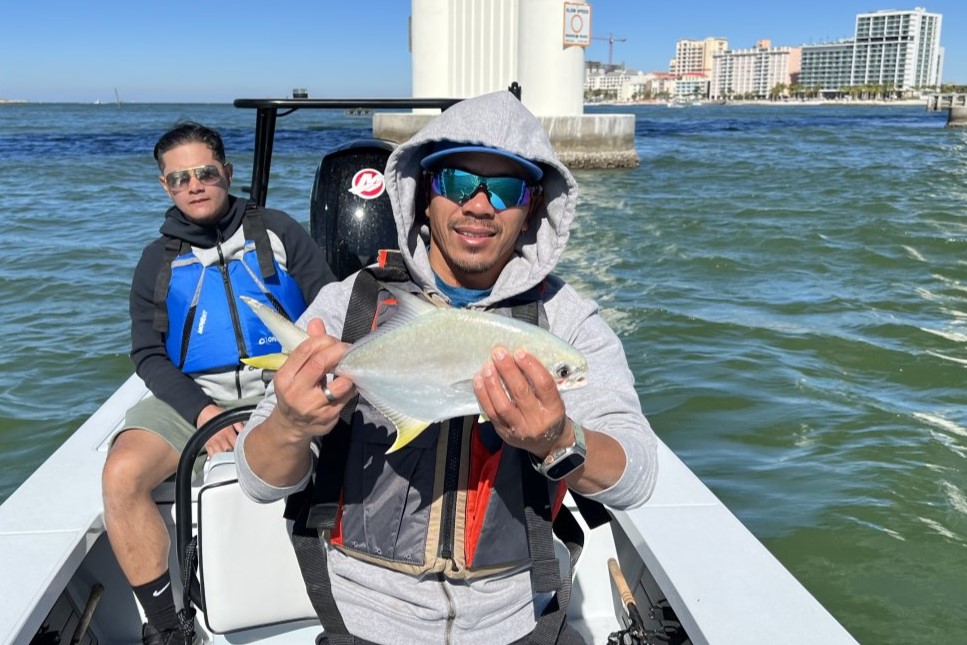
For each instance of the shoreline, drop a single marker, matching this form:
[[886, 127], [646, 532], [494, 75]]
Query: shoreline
[[767, 103]]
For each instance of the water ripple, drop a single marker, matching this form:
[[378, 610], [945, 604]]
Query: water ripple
[[790, 295]]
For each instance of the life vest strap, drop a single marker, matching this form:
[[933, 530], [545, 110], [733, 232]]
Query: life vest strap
[[316, 508], [255, 228], [173, 248]]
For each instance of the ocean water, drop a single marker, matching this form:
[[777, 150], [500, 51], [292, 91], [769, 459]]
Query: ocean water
[[790, 284]]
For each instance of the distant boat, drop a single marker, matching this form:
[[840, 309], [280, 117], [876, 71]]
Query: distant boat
[[680, 102]]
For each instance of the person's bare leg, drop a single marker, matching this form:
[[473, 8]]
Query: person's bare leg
[[137, 462]]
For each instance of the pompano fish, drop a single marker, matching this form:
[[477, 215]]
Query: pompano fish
[[418, 367]]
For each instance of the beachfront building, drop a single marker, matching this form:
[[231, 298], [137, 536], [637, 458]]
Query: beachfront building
[[628, 85], [603, 83], [898, 47], [825, 68], [690, 86], [891, 52], [614, 83], [696, 56], [754, 73]]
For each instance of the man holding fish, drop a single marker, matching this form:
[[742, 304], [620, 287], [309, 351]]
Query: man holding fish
[[434, 495]]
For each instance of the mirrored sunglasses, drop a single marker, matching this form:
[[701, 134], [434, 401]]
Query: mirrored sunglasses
[[503, 192], [178, 180]]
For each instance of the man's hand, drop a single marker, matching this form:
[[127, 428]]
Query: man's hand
[[521, 399], [307, 406], [224, 439]]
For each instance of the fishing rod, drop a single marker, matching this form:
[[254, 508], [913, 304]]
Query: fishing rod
[[635, 632], [669, 630]]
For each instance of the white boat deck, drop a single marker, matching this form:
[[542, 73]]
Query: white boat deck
[[47, 525], [683, 545]]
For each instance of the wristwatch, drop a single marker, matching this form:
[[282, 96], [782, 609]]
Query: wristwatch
[[562, 462]]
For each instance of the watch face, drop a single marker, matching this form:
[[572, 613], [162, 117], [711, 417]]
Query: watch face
[[565, 466]]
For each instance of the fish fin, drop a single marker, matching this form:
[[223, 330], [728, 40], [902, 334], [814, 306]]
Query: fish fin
[[483, 418], [407, 428], [409, 307], [406, 431], [286, 332], [267, 361]]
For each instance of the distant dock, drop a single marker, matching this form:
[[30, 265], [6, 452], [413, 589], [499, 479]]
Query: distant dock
[[954, 103]]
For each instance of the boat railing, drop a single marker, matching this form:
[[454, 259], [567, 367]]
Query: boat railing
[[268, 111]]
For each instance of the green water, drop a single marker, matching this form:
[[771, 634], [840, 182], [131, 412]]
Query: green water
[[790, 284]]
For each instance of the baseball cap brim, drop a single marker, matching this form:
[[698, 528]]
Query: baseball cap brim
[[435, 159]]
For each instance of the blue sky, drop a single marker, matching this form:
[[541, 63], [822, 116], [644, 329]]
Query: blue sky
[[219, 50]]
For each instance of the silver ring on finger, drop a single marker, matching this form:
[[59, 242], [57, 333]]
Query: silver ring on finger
[[329, 395]]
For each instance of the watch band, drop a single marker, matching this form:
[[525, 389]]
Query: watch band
[[562, 462]]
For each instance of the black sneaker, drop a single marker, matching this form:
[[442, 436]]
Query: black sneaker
[[151, 636]]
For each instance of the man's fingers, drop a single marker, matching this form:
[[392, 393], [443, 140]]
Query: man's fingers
[[316, 327], [517, 385], [223, 440], [309, 363], [541, 382], [483, 396]]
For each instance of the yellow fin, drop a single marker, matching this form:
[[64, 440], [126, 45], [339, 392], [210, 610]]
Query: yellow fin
[[406, 431], [266, 362]]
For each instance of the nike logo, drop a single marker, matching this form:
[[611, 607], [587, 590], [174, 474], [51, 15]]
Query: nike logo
[[162, 590]]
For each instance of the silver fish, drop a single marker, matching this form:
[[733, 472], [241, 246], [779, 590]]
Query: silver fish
[[418, 367]]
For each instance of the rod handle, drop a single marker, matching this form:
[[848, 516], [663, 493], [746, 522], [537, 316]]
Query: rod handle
[[619, 579], [96, 592]]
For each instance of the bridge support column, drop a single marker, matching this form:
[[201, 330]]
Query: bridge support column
[[957, 117]]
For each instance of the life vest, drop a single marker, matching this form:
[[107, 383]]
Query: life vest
[[493, 511], [208, 326]]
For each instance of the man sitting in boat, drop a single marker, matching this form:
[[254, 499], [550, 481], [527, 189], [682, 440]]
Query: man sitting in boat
[[448, 539], [188, 336]]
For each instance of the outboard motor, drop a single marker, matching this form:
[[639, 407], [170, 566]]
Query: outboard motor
[[350, 216]]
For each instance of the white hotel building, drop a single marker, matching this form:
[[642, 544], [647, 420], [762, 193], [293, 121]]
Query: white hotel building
[[890, 48], [753, 72], [900, 49]]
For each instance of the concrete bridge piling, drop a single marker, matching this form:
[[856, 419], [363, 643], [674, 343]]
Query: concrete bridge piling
[[955, 104]]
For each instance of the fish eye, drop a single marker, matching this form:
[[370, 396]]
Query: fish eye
[[563, 371]]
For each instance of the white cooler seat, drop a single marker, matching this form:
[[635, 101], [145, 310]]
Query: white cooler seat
[[246, 565]]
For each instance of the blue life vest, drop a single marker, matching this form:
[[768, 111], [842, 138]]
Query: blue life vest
[[209, 327]]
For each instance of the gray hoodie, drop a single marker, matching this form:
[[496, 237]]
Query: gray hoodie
[[389, 606]]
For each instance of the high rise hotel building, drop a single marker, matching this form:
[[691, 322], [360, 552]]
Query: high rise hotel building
[[695, 56], [893, 48]]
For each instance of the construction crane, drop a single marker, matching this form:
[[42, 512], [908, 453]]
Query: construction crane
[[611, 41]]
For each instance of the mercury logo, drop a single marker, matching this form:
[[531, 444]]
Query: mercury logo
[[368, 183]]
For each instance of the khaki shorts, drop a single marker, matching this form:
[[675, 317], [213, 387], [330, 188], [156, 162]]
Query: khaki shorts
[[154, 415]]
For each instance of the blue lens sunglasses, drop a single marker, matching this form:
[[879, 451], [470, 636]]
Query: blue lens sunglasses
[[503, 192]]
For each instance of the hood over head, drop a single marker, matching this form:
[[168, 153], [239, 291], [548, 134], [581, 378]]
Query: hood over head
[[500, 123]]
